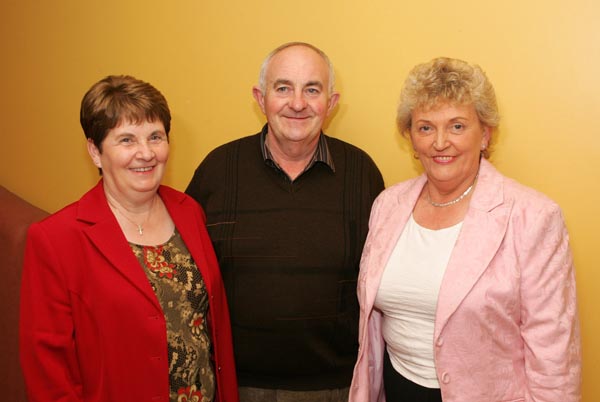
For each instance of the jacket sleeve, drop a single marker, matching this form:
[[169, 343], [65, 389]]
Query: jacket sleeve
[[47, 348], [549, 323], [367, 382]]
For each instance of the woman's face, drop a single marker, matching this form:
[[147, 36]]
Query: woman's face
[[133, 158], [448, 140]]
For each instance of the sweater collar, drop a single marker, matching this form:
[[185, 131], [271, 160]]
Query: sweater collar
[[321, 155]]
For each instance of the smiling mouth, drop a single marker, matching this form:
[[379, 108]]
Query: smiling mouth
[[443, 159], [143, 169], [297, 117]]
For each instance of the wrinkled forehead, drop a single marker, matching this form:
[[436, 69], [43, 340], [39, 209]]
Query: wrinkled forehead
[[298, 64], [445, 111]]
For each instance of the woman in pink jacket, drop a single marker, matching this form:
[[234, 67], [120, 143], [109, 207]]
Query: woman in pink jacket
[[467, 286]]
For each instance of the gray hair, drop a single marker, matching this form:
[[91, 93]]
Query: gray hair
[[262, 77]]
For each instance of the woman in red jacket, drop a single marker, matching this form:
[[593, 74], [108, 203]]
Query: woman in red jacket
[[121, 296]]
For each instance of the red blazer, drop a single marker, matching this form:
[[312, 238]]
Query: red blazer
[[91, 327]]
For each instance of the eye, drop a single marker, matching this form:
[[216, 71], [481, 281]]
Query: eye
[[425, 129], [313, 91], [156, 137], [126, 140], [282, 89], [458, 126]]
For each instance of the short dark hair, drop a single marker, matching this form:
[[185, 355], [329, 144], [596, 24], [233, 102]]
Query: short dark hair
[[117, 99]]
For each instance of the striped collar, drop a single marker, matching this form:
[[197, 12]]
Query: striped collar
[[321, 155]]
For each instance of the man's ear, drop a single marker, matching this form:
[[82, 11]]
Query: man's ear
[[260, 97], [333, 101]]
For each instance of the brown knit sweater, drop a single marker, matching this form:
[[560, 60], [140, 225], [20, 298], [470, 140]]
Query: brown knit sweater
[[289, 253]]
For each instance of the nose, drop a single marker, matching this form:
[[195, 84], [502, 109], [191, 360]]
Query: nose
[[297, 102], [145, 151], [440, 140]]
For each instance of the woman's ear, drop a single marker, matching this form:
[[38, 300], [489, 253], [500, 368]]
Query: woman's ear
[[94, 153], [486, 137]]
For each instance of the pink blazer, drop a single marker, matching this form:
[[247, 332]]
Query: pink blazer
[[506, 326], [91, 326]]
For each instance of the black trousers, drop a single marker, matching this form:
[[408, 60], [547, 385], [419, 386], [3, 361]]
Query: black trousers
[[399, 389]]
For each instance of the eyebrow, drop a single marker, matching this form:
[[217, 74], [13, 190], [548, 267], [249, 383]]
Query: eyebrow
[[282, 81], [460, 117], [290, 83], [314, 84], [130, 134]]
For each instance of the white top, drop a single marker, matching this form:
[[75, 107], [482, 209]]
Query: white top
[[408, 296]]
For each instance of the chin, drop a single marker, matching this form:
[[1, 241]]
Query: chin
[[442, 176]]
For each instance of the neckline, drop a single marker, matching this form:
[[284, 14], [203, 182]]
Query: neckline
[[448, 228], [175, 233]]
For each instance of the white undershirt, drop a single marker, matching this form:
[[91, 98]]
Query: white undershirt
[[408, 295]]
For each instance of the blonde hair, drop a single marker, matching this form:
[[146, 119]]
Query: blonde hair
[[447, 80]]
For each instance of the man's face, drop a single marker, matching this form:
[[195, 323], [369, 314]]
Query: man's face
[[296, 99]]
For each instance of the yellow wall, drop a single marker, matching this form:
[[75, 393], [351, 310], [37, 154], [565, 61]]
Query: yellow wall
[[542, 56]]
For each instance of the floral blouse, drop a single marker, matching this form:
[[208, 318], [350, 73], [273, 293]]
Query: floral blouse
[[180, 289]]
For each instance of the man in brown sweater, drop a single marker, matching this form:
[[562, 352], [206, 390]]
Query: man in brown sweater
[[287, 210]]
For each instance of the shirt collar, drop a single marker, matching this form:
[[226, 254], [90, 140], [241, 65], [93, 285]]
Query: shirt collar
[[321, 155]]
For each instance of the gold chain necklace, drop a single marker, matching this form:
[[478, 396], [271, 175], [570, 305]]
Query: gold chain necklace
[[139, 226]]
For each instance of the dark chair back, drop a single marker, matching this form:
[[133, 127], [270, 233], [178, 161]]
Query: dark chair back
[[16, 215]]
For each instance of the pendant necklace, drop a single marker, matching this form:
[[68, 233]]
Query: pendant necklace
[[139, 226]]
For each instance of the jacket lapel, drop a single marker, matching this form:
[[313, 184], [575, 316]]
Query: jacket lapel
[[383, 238], [482, 233], [184, 215], [106, 235]]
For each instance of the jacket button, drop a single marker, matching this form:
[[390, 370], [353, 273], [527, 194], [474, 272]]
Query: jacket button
[[439, 342], [219, 369], [445, 377]]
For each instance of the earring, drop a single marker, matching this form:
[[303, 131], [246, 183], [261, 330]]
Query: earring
[[483, 146]]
